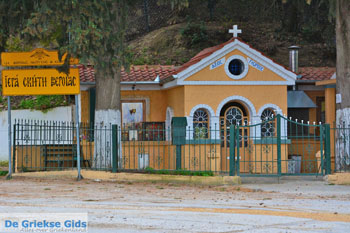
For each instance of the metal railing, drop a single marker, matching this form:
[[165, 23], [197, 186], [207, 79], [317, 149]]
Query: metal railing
[[150, 147], [52, 145], [281, 147], [341, 148]]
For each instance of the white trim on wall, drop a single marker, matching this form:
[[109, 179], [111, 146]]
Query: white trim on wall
[[250, 106], [206, 107], [237, 83], [247, 102], [137, 87], [144, 98], [279, 111], [169, 114], [273, 106]]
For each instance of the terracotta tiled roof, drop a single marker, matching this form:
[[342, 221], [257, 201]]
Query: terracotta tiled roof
[[86, 73], [136, 74], [316, 73], [150, 72], [208, 51], [147, 73], [202, 54]]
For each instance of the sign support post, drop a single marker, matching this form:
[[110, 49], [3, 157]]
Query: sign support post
[[9, 175], [78, 135]]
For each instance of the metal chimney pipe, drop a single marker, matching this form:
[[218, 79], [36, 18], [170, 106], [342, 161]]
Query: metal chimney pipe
[[293, 58]]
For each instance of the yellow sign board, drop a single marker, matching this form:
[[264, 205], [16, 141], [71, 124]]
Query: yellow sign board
[[37, 57], [40, 82]]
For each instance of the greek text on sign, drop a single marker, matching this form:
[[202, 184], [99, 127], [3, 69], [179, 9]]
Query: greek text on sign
[[255, 65], [40, 82], [37, 57], [217, 63]]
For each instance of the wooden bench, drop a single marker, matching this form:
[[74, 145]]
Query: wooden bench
[[62, 154]]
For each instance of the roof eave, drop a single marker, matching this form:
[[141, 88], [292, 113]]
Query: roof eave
[[88, 83], [305, 81]]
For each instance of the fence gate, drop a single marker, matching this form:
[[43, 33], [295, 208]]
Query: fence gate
[[280, 147]]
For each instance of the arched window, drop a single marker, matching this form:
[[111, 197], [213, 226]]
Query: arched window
[[268, 126], [200, 124]]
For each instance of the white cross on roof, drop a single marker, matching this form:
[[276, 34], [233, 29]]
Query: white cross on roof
[[235, 31]]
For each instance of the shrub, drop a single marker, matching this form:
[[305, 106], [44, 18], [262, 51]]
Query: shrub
[[194, 33]]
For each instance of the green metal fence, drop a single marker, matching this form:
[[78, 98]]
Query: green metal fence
[[52, 145], [341, 149], [152, 147], [309, 149], [275, 147], [280, 146]]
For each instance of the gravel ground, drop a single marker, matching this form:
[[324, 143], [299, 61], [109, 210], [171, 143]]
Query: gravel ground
[[292, 205]]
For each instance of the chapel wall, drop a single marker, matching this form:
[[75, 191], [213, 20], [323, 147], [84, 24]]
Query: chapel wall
[[214, 95], [175, 100]]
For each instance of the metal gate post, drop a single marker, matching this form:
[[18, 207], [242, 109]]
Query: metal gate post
[[279, 144], [327, 137], [321, 168], [14, 149], [236, 146], [114, 148], [232, 149], [178, 157]]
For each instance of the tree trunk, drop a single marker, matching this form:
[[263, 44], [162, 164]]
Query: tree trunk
[[343, 72], [107, 113]]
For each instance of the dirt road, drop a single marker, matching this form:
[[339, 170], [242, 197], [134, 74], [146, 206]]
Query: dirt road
[[291, 206]]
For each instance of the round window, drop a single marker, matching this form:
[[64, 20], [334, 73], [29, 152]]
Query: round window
[[236, 67]]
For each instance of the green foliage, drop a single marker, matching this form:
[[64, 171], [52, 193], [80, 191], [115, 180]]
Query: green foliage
[[141, 60], [93, 31], [194, 33], [26, 104], [3, 101], [16, 43], [3, 173], [178, 172], [4, 163], [42, 102], [179, 4]]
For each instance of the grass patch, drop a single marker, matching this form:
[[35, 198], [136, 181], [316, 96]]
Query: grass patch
[[150, 170], [4, 163], [3, 173]]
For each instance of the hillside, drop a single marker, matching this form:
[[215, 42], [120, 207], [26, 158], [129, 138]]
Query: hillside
[[170, 45], [159, 33]]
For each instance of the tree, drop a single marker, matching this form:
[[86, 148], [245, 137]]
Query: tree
[[343, 59], [93, 31], [343, 72]]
